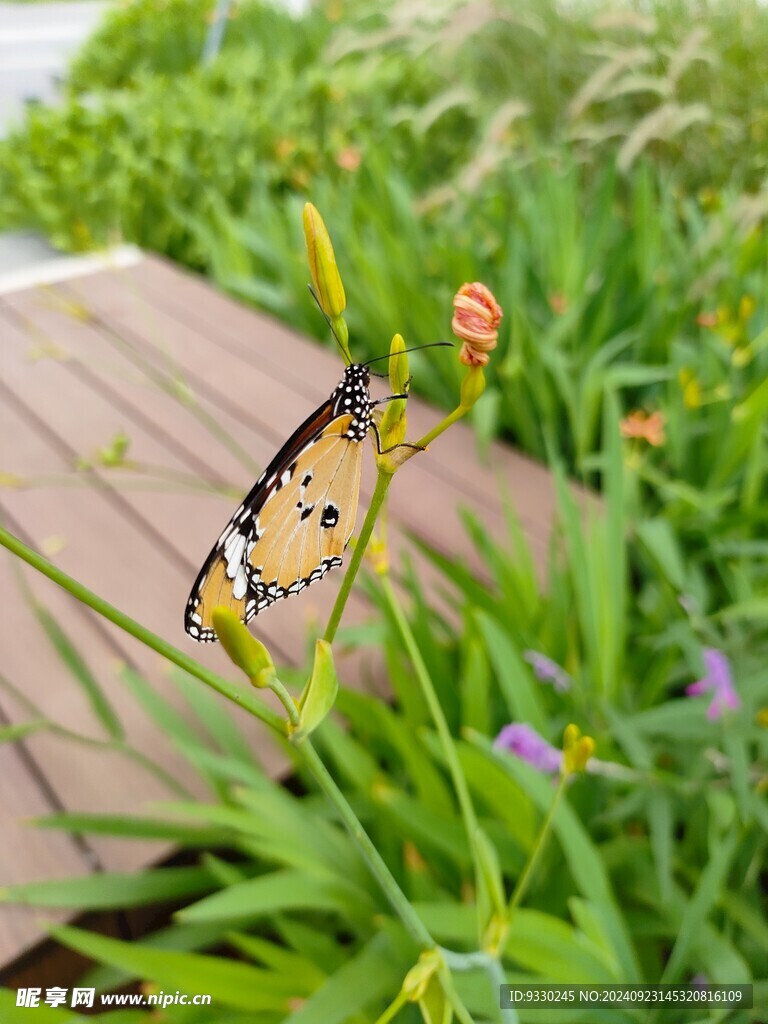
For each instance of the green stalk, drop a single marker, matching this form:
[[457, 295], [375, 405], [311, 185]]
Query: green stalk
[[462, 1013], [546, 828], [383, 481], [397, 898], [442, 426], [444, 733], [245, 698], [287, 701], [393, 1009]]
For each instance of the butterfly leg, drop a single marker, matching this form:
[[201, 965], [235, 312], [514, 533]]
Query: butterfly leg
[[403, 444]]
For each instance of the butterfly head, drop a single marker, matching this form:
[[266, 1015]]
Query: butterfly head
[[353, 398]]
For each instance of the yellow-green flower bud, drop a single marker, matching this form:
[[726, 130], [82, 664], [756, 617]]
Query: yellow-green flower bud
[[243, 649], [393, 426], [420, 975], [322, 265], [577, 750], [472, 386]]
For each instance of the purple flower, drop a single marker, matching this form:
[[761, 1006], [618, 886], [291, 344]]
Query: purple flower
[[524, 742], [719, 680], [548, 671]]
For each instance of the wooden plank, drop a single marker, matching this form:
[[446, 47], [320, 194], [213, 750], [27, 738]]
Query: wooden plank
[[81, 778], [185, 519], [431, 487], [26, 853]]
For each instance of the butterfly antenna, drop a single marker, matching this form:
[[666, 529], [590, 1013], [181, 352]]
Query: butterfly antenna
[[313, 293], [417, 348]]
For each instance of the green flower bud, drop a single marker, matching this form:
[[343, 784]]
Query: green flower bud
[[393, 426], [472, 386], [243, 649]]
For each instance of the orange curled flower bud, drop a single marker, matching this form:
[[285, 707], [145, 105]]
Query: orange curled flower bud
[[645, 426], [476, 319]]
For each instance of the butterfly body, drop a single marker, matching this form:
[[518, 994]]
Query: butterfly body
[[296, 521]]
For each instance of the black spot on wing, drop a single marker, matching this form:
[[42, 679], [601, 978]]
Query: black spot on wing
[[330, 516]]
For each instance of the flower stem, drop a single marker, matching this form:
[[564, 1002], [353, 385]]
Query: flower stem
[[444, 733], [383, 481], [442, 426], [462, 1013], [246, 698], [397, 898], [286, 700], [546, 828]]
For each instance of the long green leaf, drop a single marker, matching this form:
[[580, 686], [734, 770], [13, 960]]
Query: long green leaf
[[135, 827], [227, 982], [77, 665], [373, 975], [277, 892], [112, 889], [700, 905]]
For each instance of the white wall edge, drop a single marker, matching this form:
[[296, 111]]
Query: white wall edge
[[63, 268]]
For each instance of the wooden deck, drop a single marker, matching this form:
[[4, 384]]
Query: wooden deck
[[89, 356]]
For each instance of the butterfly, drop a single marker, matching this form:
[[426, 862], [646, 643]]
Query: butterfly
[[295, 523]]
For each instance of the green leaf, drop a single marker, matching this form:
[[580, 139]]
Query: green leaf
[[174, 726], [276, 892], [282, 823], [506, 801], [216, 715], [10, 1013], [542, 943], [353, 761], [320, 692], [112, 889], [661, 822], [278, 958], [370, 976], [228, 982], [135, 827], [371, 718], [179, 937], [521, 693], [79, 669], [704, 898], [659, 540], [491, 898]]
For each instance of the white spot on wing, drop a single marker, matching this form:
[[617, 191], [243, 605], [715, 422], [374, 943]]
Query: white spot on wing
[[241, 584], [233, 552]]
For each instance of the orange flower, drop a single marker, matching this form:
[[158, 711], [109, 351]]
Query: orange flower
[[645, 426], [349, 159], [707, 319], [476, 319], [558, 303]]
